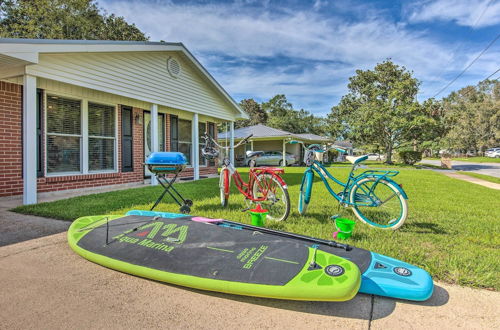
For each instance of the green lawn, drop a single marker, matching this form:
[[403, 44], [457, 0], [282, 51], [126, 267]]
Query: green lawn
[[482, 176], [473, 159], [452, 229]]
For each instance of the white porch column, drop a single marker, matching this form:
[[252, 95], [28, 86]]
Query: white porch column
[[154, 136], [196, 146], [231, 142], [284, 153], [29, 140]]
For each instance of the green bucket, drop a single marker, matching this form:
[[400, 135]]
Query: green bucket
[[344, 227], [258, 216]]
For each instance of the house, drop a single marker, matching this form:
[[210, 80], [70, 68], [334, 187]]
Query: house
[[77, 114], [265, 138]]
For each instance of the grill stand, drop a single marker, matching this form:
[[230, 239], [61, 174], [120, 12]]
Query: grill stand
[[185, 206]]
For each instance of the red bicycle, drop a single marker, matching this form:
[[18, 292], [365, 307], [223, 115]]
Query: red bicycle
[[265, 185]]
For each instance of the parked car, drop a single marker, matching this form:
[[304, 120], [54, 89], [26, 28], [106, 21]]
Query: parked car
[[492, 152], [376, 157], [274, 158]]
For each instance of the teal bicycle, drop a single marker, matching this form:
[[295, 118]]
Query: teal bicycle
[[376, 199]]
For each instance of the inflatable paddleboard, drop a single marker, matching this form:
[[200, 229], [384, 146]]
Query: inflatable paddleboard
[[196, 253], [380, 275]]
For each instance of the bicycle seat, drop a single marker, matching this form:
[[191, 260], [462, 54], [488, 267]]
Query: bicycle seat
[[356, 160]]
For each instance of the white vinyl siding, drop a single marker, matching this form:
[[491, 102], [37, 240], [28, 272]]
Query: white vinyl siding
[[141, 76]]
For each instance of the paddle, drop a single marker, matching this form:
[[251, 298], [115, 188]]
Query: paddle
[[276, 232]]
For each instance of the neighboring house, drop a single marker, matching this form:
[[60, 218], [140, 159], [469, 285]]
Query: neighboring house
[[266, 138], [77, 114]]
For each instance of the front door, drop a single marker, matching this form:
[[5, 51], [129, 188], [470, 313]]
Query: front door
[[148, 146]]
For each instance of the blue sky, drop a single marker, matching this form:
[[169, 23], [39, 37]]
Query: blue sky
[[307, 50]]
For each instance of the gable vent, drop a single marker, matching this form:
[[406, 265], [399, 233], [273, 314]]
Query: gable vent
[[173, 67]]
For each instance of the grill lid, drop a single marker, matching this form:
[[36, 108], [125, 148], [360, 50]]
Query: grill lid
[[166, 158]]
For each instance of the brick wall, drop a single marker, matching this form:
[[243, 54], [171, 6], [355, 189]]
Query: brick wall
[[11, 182]]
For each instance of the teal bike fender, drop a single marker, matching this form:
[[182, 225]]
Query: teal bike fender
[[308, 189], [398, 187]]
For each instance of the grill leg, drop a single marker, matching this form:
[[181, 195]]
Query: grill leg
[[166, 189]]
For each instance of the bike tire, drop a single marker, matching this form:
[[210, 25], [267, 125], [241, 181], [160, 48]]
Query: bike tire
[[277, 202], [390, 214], [224, 184], [305, 192]]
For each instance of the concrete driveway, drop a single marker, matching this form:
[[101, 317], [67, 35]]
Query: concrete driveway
[[492, 169], [45, 285]]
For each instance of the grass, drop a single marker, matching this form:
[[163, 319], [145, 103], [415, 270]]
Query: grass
[[472, 159], [484, 177], [451, 231]]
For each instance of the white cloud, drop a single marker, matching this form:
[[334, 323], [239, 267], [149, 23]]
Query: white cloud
[[475, 14], [326, 49]]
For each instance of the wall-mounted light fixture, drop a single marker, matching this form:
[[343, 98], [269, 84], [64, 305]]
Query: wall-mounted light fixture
[[138, 118]]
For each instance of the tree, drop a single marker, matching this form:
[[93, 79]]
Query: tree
[[380, 108], [283, 116], [473, 117], [63, 19], [255, 112]]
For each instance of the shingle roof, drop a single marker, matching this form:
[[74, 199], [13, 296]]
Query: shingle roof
[[313, 137], [262, 131], [257, 131]]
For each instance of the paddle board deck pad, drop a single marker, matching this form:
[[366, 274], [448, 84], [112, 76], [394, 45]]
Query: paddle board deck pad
[[207, 256], [380, 275]]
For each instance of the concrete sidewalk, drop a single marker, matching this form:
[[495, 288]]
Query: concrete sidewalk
[[46, 285]]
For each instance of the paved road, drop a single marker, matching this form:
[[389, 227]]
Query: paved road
[[492, 169]]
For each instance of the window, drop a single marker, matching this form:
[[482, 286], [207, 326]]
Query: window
[[174, 133], [185, 140], [64, 134], [101, 137], [202, 128], [211, 132]]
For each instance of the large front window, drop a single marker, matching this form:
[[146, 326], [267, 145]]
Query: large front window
[[67, 132], [64, 135]]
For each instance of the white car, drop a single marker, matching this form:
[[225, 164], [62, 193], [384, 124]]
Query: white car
[[376, 157], [492, 153]]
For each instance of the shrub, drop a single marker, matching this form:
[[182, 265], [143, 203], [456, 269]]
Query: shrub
[[410, 157]]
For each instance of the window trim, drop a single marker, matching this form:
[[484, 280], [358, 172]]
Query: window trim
[[84, 170]]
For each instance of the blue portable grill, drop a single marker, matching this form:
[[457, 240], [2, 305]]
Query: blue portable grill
[[162, 164]]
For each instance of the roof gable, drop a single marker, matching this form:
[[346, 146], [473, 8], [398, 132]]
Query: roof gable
[[76, 59]]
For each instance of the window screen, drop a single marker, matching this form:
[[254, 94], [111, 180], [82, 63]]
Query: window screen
[[101, 137], [64, 120], [202, 128], [185, 140]]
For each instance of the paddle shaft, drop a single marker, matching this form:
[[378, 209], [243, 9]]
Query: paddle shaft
[[290, 235]]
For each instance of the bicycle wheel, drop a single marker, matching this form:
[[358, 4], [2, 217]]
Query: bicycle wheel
[[305, 191], [224, 183], [379, 203], [275, 196]]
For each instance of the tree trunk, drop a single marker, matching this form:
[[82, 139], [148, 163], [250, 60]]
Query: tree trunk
[[388, 156]]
